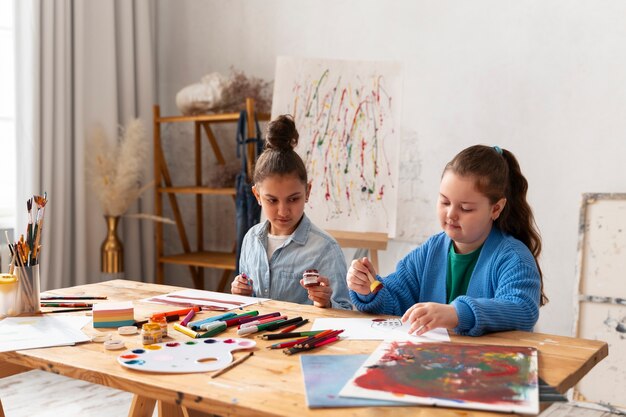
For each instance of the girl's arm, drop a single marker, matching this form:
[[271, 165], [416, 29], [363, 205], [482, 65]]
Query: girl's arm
[[400, 290], [514, 305]]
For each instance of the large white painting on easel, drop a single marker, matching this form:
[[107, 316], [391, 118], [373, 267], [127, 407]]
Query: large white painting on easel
[[347, 114]]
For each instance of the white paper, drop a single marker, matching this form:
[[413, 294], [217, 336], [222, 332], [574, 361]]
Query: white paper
[[18, 333], [205, 299], [377, 329]]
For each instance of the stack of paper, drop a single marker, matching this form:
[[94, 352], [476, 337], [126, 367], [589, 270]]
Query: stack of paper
[[17, 333], [113, 314]]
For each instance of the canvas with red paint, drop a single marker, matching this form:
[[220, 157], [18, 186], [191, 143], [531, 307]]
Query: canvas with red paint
[[493, 378]]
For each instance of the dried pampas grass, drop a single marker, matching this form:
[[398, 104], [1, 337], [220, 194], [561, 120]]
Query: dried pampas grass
[[115, 170]]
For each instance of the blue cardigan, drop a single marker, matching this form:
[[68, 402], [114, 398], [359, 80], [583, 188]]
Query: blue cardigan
[[503, 293]]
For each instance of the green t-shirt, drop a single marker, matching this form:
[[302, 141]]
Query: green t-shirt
[[460, 269]]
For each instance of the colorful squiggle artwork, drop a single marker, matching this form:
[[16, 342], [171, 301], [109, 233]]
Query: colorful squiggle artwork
[[495, 378], [347, 115]]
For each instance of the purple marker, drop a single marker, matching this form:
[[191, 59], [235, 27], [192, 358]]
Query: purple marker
[[188, 317]]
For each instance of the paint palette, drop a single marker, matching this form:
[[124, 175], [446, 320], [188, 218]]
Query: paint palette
[[199, 355]]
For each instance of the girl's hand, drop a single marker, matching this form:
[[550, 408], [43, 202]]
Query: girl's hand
[[241, 285], [424, 317], [320, 294], [357, 278]]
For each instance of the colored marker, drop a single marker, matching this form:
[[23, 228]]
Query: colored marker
[[263, 321], [185, 330], [278, 336], [196, 324], [237, 319], [278, 325], [188, 317], [258, 328], [215, 330], [180, 312], [261, 317]]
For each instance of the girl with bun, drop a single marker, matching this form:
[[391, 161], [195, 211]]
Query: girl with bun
[[276, 253]]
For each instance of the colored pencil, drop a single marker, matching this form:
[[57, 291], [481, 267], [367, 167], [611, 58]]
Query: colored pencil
[[49, 304], [286, 344], [294, 326], [291, 351], [278, 336], [232, 365], [67, 297], [67, 310]]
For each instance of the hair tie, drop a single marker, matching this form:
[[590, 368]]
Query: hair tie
[[498, 149]]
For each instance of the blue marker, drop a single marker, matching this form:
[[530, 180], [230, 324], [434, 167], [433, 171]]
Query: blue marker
[[194, 325]]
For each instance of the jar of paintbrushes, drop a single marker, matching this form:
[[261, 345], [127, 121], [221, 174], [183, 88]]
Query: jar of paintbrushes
[[25, 255]]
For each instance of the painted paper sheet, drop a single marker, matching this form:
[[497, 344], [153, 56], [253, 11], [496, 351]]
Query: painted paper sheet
[[347, 115], [493, 378], [325, 375]]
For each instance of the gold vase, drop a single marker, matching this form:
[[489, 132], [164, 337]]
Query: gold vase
[[112, 250]]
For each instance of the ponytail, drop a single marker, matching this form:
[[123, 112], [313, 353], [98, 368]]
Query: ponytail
[[498, 175]]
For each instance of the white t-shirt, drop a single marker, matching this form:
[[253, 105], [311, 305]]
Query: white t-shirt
[[274, 242]]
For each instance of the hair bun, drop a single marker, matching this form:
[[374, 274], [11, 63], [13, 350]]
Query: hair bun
[[282, 134]]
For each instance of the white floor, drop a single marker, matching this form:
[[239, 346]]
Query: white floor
[[44, 394]]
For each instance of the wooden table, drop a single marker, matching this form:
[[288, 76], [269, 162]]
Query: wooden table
[[269, 383]]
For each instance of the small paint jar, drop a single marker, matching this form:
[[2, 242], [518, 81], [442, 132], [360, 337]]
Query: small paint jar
[[310, 278], [151, 333], [161, 320], [8, 295]]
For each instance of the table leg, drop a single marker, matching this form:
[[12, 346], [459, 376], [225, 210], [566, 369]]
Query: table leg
[[141, 407], [1, 409]]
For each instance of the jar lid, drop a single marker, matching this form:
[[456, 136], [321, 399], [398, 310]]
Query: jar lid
[[8, 279]]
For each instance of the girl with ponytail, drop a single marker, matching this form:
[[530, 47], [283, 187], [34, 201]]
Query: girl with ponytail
[[481, 273]]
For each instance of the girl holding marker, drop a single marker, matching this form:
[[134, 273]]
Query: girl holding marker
[[481, 273], [276, 253]]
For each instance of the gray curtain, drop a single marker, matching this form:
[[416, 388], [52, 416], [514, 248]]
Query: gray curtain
[[81, 63]]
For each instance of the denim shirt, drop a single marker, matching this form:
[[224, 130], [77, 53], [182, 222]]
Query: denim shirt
[[278, 278]]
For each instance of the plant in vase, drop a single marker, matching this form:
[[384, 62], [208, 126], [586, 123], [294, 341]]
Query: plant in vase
[[115, 171]]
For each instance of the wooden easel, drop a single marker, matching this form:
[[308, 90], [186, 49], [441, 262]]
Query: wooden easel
[[373, 241]]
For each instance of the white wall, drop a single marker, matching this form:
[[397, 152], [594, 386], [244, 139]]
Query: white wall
[[544, 79]]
